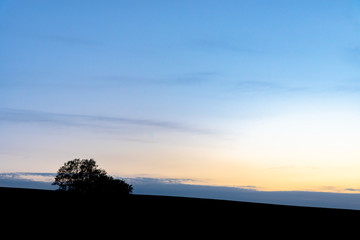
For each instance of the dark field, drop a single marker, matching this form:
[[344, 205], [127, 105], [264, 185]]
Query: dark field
[[144, 214]]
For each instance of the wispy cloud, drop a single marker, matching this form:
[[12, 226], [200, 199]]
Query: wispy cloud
[[79, 120], [221, 45], [27, 180], [70, 40], [182, 79], [258, 86], [351, 88], [353, 190], [199, 77], [36, 177], [263, 87], [148, 180]]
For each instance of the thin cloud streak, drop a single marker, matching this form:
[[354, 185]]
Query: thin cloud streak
[[70, 40], [79, 120], [222, 45]]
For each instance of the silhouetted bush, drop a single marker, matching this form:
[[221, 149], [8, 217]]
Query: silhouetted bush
[[85, 176]]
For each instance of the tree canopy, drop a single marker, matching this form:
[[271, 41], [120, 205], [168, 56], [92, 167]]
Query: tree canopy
[[85, 176]]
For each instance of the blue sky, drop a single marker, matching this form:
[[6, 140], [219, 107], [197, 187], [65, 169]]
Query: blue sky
[[233, 93]]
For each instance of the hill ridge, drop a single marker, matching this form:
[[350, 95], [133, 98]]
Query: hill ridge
[[169, 212]]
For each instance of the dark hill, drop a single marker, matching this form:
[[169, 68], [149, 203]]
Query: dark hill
[[144, 213]]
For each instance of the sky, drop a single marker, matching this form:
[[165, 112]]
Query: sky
[[225, 93]]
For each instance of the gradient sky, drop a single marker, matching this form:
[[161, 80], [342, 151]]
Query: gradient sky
[[234, 93]]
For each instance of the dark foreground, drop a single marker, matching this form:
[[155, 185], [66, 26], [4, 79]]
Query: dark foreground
[[159, 215]]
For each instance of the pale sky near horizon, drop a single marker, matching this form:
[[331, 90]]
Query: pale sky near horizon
[[234, 93]]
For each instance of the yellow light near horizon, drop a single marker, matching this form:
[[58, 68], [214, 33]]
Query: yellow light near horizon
[[304, 150]]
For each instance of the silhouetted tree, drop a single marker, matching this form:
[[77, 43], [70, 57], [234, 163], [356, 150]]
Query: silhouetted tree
[[85, 176]]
